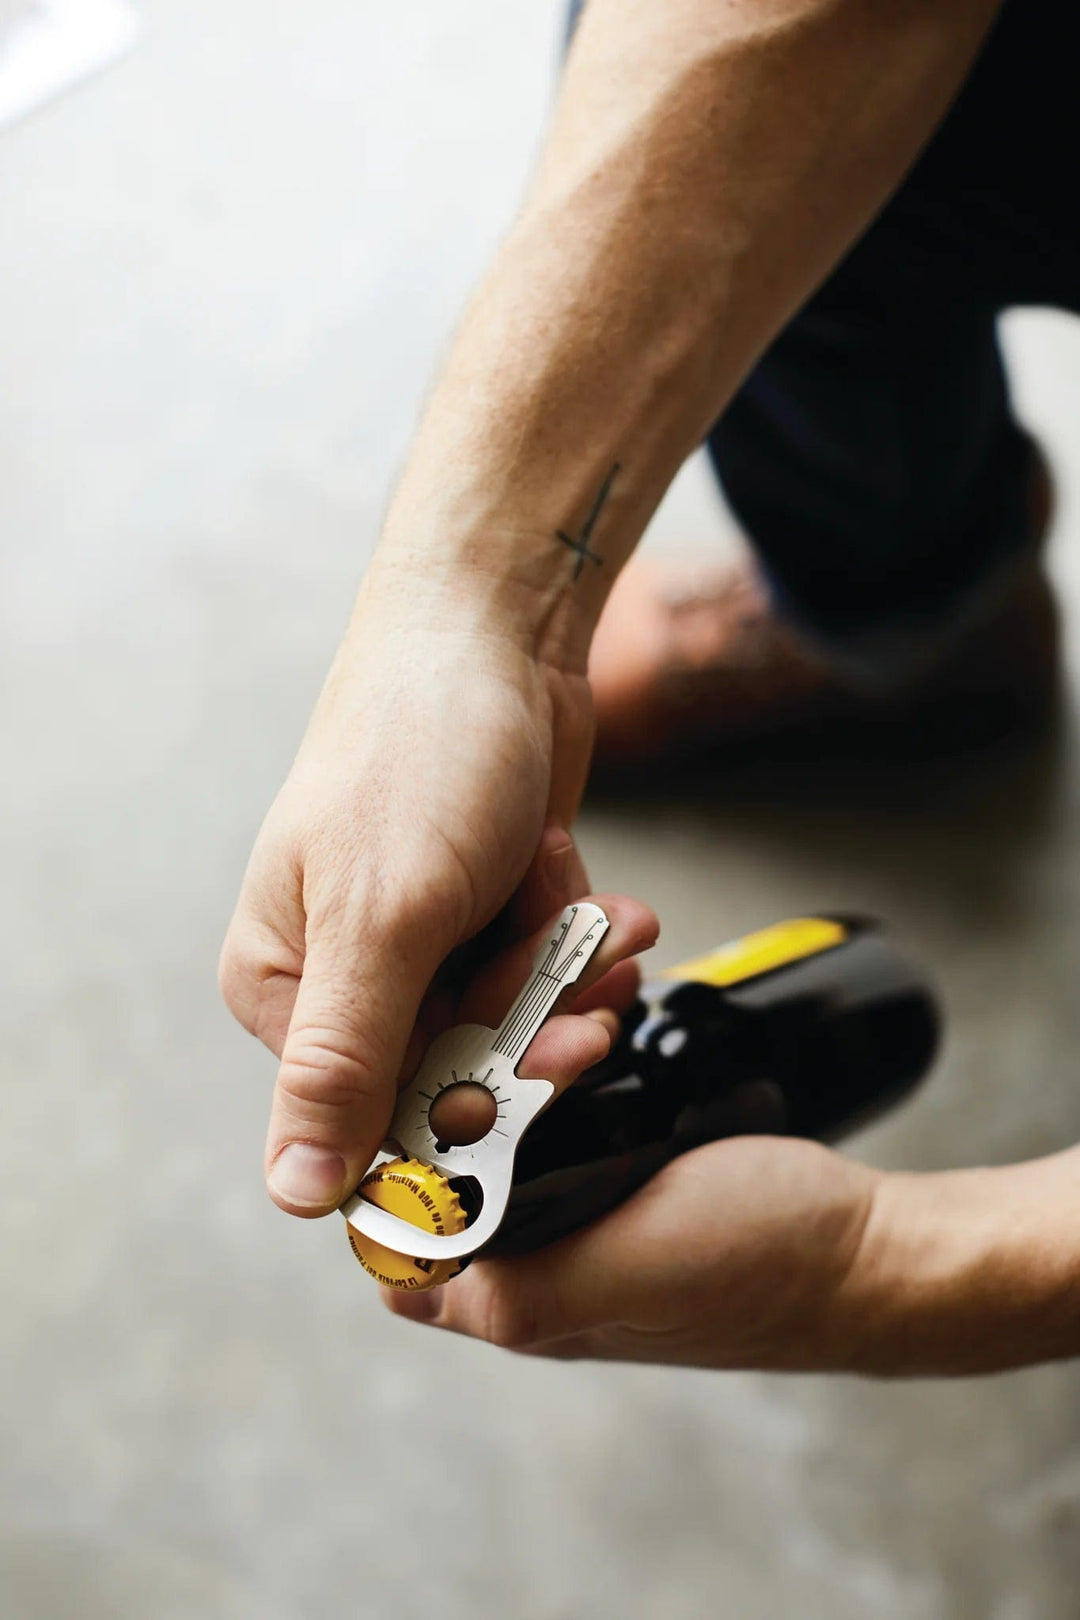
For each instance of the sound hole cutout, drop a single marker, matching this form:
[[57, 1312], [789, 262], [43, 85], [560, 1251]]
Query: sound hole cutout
[[462, 1113]]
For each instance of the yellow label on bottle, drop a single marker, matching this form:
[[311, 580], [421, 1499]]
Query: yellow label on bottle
[[769, 948]]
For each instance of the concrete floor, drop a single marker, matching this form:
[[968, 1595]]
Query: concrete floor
[[226, 268]]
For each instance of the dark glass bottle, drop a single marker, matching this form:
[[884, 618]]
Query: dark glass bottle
[[806, 1029]]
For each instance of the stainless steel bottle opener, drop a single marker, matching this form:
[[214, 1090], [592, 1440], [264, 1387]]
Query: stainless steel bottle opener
[[487, 1057]]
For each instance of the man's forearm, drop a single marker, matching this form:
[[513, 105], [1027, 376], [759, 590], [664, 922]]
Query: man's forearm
[[706, 167], [969, 1271]]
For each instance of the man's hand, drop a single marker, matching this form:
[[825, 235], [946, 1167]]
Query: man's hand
[[771, 1252], [778, 1254], [414, 810], [736, 1255], [705, 168]]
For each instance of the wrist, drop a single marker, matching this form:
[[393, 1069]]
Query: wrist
[[968, 1271], [546, 447], [485, 576]]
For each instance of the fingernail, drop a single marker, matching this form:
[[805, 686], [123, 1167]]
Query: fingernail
[[422, 1305], [608, 1019], [303, 1174], [557, 868]]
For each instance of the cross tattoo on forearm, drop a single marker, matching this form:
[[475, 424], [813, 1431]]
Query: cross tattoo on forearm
[[579, 544]]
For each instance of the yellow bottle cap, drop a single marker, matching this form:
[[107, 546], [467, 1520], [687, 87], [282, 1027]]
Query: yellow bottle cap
[[423, 1197]]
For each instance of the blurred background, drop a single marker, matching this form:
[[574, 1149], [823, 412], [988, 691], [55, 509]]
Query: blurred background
[[227, 267]]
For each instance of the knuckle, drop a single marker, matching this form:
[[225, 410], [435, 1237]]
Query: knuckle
[[238, 985], [426, 907], [413, 886], [253, 974], [506, 1318], [430, 896], [321, 1066]]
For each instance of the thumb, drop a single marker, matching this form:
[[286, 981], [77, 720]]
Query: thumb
[[337, 1081]]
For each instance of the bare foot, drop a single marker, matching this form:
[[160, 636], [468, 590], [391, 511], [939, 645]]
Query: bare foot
[[686, 653], [689, 650]]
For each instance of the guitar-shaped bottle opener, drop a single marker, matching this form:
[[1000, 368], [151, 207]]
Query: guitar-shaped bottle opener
[[473, 1054]]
